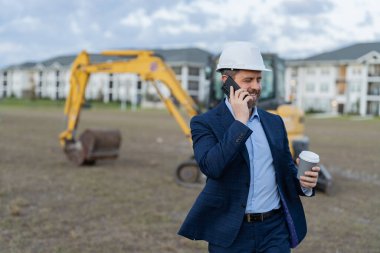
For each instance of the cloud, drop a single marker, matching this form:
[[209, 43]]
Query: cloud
[[166, 15], [292, 28], [26, 24], [108, 34], [304, 8], [180, 29], [12, 51], [7, 47], [367, 21], [75, 28], [139, 19]]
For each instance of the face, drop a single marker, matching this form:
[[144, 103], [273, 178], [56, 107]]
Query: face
[[250, 81]]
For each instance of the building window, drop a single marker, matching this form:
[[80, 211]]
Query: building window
[[110, 87], [195, 98], [356, 71], [57, 84], [177, 70], [324, 87], [40, 74], [325, 71], [355, 87], [352, 87], [374, 70], [193, 85], [310, 87], [294, 72], [139, 85], [5, 84], [310, 71], [373, 89], [193, 71]]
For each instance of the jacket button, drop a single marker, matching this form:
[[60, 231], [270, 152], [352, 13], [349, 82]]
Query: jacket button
[[243, 205]]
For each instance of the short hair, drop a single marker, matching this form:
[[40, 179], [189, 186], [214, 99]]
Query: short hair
[[229, 72]]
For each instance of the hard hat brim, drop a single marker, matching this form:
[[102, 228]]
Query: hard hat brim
[[254, 68]]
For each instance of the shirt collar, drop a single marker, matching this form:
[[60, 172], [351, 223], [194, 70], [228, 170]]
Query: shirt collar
[[254, 114]]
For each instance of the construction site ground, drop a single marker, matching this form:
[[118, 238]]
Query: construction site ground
[[133, 204]]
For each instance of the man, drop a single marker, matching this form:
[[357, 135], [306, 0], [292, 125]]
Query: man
[[250, 202]]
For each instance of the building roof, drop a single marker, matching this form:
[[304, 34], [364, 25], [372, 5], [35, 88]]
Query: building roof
[[190, 55], [352, 52], [193, 55]]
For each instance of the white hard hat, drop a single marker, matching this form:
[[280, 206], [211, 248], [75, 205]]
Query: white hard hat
[[241, 55]]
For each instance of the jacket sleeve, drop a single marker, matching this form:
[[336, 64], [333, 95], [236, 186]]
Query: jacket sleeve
[[212, 155], [291, 165]]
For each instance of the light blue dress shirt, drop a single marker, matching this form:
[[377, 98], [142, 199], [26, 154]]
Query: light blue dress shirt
[[263, 194]]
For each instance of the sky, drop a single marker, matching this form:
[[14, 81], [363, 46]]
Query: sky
[[35, 30]]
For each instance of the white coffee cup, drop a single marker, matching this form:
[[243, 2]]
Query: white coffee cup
[[308, 160]]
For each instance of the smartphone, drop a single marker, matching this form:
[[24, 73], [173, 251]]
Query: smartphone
[[227, 84]]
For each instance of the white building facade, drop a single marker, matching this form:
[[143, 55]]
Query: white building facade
[[51, 79], [342, 81]]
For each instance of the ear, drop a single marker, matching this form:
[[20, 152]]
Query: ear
[[224, 78]]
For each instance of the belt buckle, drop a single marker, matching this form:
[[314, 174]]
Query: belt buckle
[[261, 217], [248, 218]]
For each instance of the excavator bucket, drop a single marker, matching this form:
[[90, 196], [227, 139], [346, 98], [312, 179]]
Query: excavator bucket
[[94, 144]]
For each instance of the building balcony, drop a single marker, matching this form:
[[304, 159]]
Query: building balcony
[[376, 74], [373, 97], [373, 93], [340, 80], [373, 79]]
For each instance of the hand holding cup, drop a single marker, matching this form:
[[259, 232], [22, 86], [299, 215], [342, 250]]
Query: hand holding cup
[[308, 169]]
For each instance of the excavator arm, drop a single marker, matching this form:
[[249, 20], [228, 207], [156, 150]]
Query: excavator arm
[[143, 63]]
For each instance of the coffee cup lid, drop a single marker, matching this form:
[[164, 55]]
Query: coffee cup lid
[[309, 156]]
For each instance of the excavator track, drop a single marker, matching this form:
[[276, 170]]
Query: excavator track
[[188, 174]]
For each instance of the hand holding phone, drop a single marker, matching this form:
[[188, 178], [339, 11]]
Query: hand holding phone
[[239, 106], [227, 84]]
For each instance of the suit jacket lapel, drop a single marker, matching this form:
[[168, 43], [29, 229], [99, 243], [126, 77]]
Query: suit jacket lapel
[[227, 119], [225, 115]]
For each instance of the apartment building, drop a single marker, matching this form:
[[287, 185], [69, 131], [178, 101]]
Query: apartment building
[[50, 78], [345, 80]]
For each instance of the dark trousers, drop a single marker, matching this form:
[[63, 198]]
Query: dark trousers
[[269, 236]]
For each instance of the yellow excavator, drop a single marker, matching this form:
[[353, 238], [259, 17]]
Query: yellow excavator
[[94, 144]]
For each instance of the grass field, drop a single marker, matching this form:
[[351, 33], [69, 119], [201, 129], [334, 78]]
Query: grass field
[[134, 205]]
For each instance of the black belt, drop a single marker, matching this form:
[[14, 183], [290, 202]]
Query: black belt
[[259, 217]]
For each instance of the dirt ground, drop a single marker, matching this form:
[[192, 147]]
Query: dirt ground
[[134, 205]]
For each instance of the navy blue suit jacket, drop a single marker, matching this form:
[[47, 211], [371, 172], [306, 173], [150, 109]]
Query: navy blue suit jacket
[[220, 151]]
